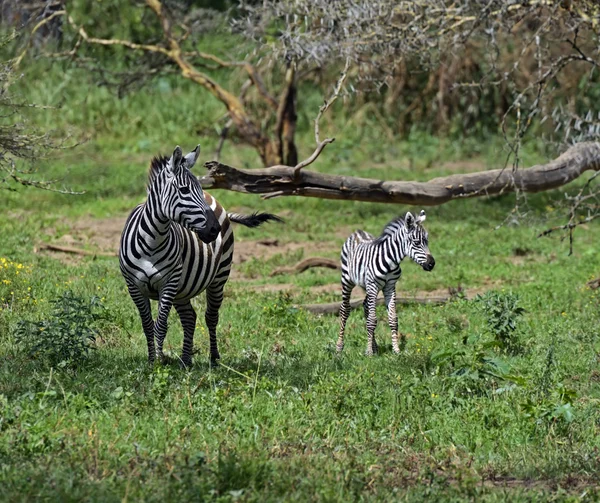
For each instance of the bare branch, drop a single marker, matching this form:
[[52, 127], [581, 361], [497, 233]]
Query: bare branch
[[312, 157], [281, 181], [307, 264], [43, 22], [336, 92]]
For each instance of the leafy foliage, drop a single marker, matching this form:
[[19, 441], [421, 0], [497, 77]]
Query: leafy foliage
[[502, 311], [475, 366], [66, 338]]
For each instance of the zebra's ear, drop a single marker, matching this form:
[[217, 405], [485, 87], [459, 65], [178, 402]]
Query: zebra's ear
[[421, 218], [409, 221], [175, 161], [192, 157]]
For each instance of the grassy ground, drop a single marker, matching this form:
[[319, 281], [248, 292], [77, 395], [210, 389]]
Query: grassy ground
[[458, 415]]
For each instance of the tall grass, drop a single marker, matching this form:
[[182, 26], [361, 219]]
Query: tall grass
[[455, 417]]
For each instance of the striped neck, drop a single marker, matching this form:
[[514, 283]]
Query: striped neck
[[154, 227], [392, 243]]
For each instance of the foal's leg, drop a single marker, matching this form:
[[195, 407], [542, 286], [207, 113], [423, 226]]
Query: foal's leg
[[389, 292], [371, 318], [344, 313], [187, 315]]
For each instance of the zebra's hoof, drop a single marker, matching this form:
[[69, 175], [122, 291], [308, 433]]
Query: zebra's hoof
[[214, 360], [185, 364], [372, 351]]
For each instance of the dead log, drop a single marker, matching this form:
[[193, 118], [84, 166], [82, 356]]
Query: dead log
[[307, 264], [594, 284], [286, 181], [75, 251], [334, 307]]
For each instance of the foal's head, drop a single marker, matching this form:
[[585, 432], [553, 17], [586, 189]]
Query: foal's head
[[418, 241]]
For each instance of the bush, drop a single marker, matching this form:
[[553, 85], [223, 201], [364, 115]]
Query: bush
[[502, 311], [66, 338]]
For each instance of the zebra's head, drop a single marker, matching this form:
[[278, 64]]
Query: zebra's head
[[418, 241], [182, 198]]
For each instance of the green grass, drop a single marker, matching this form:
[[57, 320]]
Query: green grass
[[283, 418]]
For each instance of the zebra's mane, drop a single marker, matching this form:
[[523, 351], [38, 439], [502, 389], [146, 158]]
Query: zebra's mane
[[390, 229], [158, 163]]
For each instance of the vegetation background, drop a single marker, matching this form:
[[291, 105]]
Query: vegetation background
[[495, 397]]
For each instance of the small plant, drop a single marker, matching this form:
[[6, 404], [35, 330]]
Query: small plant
[[15, 289], [502, 311], [67, 336], [553, 407], [473, 365]]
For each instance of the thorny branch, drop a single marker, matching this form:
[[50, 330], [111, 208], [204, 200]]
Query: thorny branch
[[172, 52], [552, 41]]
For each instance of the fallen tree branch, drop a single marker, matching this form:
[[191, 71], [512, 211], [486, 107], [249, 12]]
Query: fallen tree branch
[[594, 284], [75, 251], [281, 181], [334, 307], [307, 264]]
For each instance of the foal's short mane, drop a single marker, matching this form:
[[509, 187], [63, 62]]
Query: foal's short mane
[[389, 229], [157, 164]]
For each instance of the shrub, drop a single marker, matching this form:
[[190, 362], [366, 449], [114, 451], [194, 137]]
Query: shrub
[[502, 311], [67, 336]]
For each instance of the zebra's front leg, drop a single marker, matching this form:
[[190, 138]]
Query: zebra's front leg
[[389, 292], [143, 305], [187, 315], [371, 319], [166, 297], [214, 299], [344, 313]]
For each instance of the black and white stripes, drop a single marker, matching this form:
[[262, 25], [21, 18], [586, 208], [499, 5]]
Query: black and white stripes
[[176, 245], [374, 264]]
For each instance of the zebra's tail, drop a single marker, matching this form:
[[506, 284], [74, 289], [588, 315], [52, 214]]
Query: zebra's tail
[[253, 220]]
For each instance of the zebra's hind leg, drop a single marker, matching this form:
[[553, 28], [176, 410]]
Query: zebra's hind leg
[[187, 315], [143, 305], [214, 299], [389, 292], [344, 313], [371, 320]]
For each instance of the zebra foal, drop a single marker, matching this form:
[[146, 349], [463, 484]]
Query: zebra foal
[[374, 264], [176, 245]]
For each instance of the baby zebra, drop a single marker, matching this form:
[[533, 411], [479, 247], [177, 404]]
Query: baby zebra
[[374, 264], [176, 245]]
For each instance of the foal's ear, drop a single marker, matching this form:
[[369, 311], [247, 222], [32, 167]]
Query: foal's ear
[[421, 218], [175, 161], [409, 221], [192, 157]]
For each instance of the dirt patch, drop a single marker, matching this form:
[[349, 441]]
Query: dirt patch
[[333, 288], [266, 249], [103, 235]]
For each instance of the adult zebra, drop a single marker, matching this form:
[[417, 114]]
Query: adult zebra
[[176, 245], [374, 264]]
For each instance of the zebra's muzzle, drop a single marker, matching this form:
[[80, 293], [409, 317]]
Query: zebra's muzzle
[[430, 264], [209, 234]]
